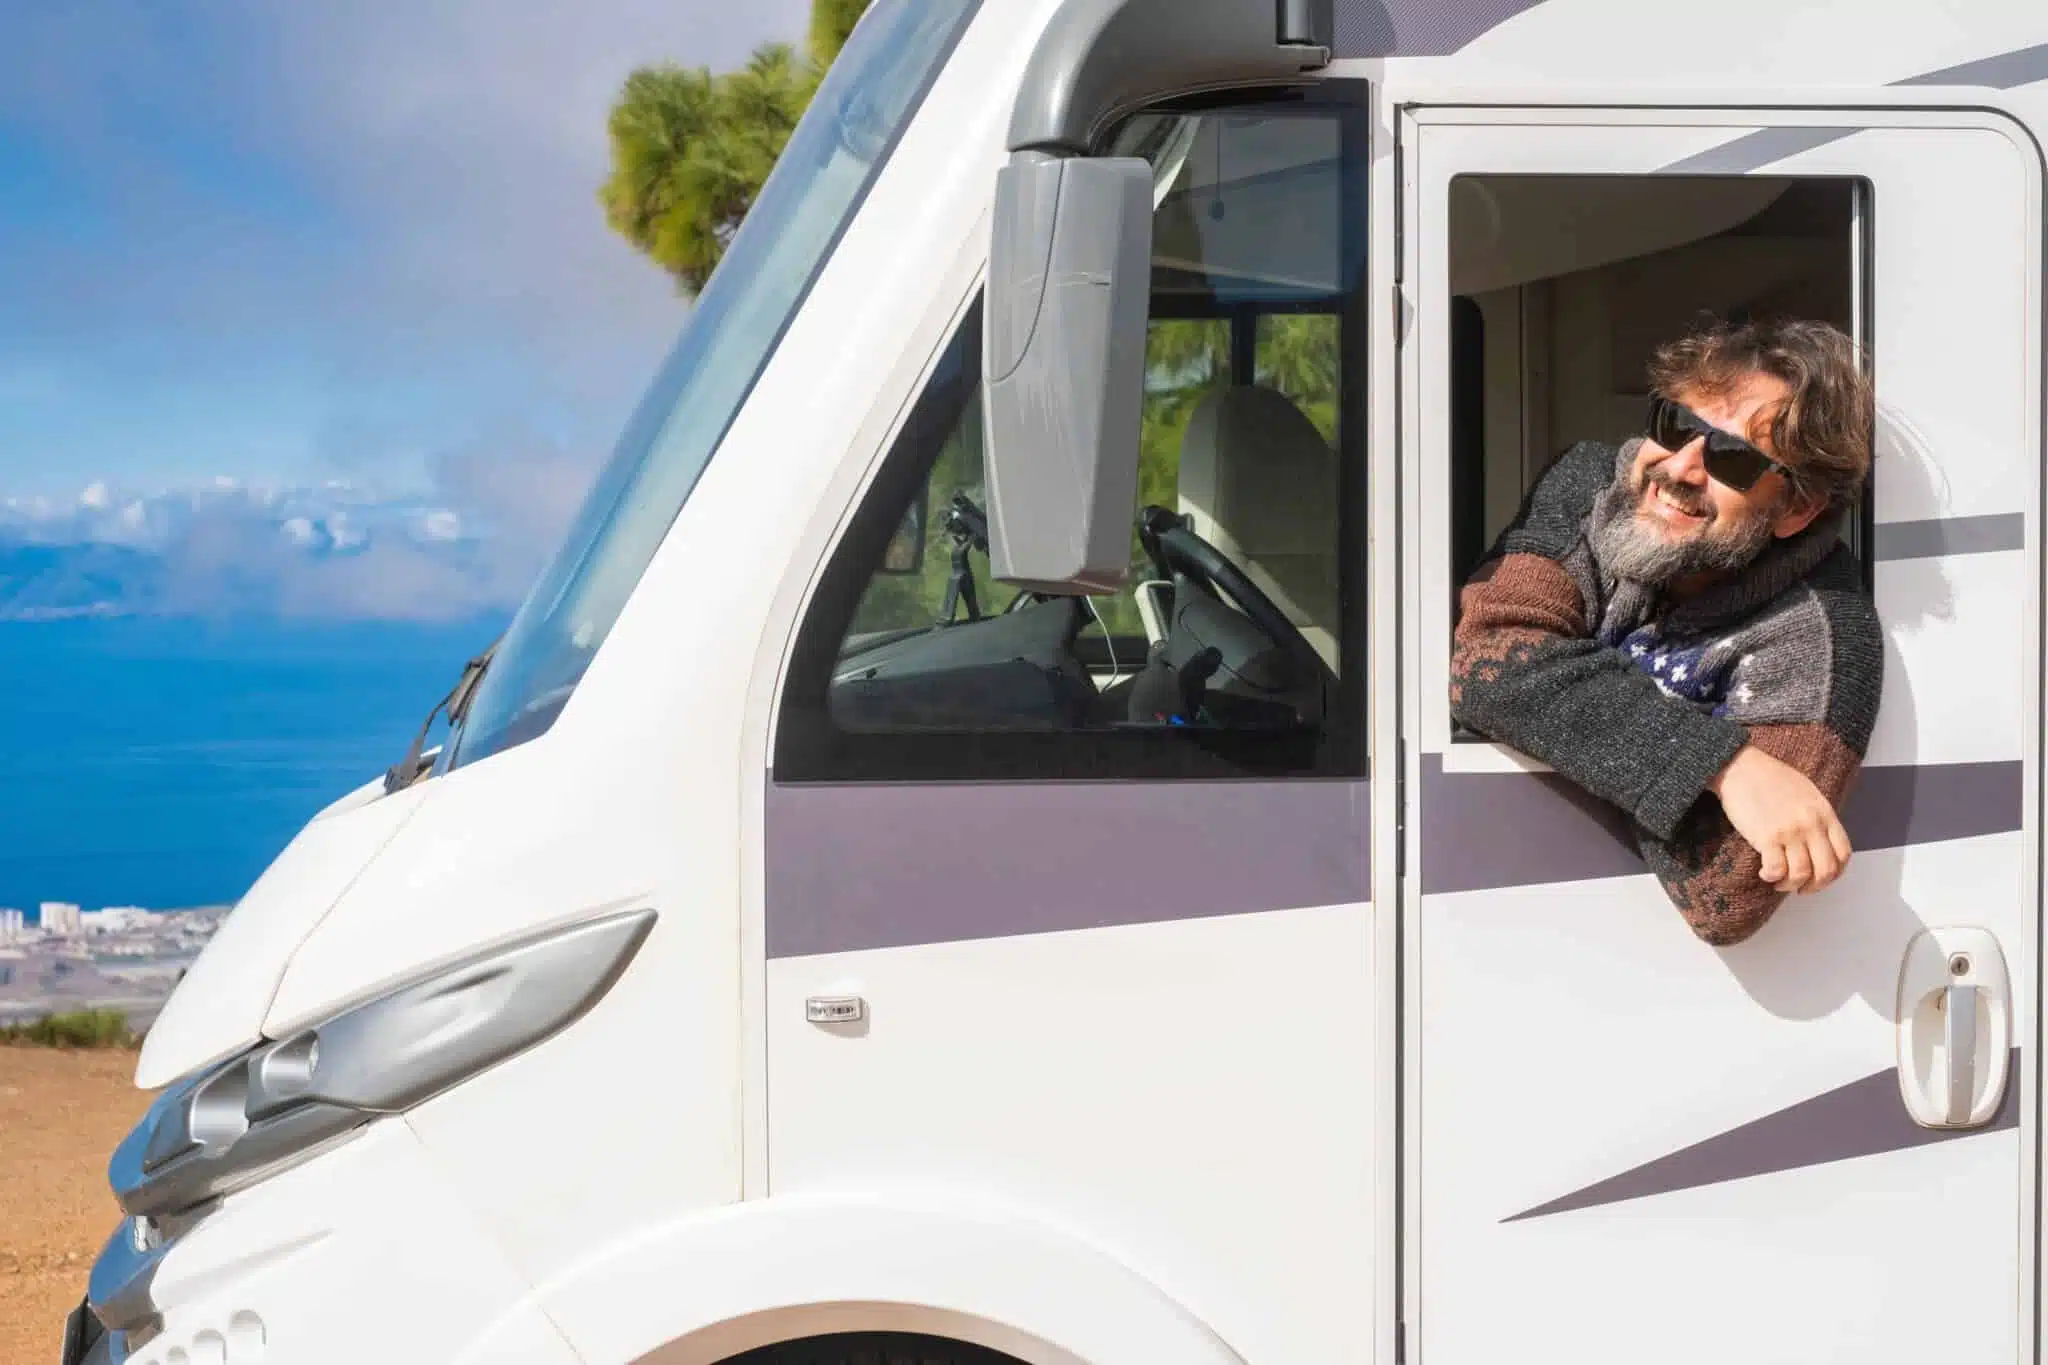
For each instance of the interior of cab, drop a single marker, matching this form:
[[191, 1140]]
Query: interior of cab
[[1230, 618]]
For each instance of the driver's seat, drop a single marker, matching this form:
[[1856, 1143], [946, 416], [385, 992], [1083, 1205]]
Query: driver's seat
[[1259, 482]]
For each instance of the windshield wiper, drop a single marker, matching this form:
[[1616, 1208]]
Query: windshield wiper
[[409, 769]]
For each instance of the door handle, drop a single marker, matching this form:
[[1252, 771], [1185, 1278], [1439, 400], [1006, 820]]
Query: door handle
[[1955, 1025], [1959, 1042]]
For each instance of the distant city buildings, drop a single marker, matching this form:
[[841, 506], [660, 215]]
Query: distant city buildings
[[116, 919], [66, 920], [120, 957], [61, 919]]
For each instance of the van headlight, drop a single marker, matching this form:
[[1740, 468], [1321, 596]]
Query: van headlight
[[284, 1100]]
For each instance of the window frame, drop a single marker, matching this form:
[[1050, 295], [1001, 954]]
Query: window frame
[[809, 749], [1461, 750]]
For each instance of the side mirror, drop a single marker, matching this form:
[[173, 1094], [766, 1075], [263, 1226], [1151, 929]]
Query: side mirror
[[905, 554], [1069, 285]]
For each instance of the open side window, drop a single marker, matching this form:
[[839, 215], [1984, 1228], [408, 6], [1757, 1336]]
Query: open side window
[[1561, 287]]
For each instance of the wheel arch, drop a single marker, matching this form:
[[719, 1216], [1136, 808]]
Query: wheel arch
[[703, 1289]]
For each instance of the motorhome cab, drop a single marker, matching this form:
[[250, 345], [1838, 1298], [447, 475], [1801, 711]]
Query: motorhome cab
[[965, 856]]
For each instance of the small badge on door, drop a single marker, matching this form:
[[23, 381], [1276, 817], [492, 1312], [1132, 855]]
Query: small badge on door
[[835, 1009]]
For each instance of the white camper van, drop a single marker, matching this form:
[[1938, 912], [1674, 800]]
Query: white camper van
[[965, 856]]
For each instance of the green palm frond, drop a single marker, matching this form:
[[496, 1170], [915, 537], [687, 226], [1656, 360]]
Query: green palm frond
[[691, 150]]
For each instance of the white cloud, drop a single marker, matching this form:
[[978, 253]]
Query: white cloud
[[474, 544], [95, 496]]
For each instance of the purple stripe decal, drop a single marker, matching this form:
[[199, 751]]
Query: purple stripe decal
[[1753, 151], [859, 867], [1417, 28], [1864, 1118], [1950, 536], [2006, 71], [1924, 803], [1484, 831]]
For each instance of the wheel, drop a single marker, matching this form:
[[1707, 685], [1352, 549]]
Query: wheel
[[873, 1348]]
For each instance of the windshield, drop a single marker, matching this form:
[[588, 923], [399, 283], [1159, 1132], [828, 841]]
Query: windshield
[[831, 159]]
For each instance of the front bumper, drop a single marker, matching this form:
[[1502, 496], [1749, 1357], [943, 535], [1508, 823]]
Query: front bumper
[[86, 1342], [362, 1253]]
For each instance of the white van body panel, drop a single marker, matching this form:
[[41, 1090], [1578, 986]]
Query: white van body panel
[[221, 1003], [1169, 1063], [266, 1278]]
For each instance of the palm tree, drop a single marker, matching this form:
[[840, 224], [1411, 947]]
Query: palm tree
[[691, 150]]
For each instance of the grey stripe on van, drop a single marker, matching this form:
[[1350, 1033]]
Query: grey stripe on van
[[1484, 831], [858, 867], [1416, 28], [1437, 28], [1950, 536], [1863, 1118], [2006, 71], [1754, 150], [1765, 146]]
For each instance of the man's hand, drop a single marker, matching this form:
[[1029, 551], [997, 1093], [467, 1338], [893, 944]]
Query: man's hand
[[1785, 818]]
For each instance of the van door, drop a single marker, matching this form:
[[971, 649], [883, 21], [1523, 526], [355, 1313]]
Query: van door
[[1065, 902], [1622, 1143]]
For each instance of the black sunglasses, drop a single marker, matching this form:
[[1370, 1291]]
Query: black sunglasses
[[1729, 459]]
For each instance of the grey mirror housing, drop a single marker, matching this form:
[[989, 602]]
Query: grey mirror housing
[[1069, 287], [1069, 277]]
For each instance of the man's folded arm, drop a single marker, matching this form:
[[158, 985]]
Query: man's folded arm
[[1526, 671], [1808, 696], [1714, 875]]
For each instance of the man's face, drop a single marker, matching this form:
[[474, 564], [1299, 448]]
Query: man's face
[[1688, 523]]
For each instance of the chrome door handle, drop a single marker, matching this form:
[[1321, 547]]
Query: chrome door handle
[[1955, 1027]]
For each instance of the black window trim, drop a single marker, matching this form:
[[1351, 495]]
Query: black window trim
[[809, 749]]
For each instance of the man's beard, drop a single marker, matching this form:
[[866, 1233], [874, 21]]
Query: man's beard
[[1628, 546]]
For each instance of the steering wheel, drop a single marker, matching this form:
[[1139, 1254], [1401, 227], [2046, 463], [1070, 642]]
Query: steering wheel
[[1183, 552]]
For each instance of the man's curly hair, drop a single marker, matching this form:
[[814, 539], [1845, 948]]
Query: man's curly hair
[[1822, 431]]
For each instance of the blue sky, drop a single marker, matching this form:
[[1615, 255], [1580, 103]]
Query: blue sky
[[291, 243]]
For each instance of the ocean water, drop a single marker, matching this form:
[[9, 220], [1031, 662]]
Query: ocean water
[[164, 763]]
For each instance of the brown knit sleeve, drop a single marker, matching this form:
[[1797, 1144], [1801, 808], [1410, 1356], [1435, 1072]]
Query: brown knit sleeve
[[1712, 874], [1510, 607], [1527, 672]]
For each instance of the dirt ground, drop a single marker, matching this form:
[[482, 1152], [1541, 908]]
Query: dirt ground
[[60, 1115]]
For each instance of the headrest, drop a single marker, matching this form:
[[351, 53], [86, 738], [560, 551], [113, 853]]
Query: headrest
[[1256, 476]]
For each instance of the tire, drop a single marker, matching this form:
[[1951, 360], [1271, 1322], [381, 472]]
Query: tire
[[873, 1348]]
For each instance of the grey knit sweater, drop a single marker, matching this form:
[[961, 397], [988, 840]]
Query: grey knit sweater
[[1641, 701]]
